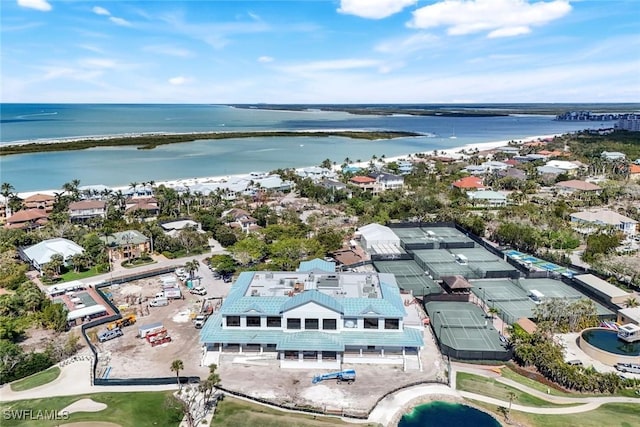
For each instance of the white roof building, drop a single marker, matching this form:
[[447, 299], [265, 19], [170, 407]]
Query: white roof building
[[90, 311], [41, 253], [606, 217], [562, 164], [377, 235]]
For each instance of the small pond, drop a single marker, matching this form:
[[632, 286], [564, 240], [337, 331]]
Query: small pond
[[436, 414]]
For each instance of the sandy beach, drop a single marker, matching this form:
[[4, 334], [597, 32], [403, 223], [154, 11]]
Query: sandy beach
[[455, 152]]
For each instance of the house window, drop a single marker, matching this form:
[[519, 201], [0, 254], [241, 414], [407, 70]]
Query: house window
[[371, 323], [233, 320], [350, 323], [329, 324], [293, 323], [392, 323], [310, 355], [274, 322], [311, 324], [290, 354], [253, 321]]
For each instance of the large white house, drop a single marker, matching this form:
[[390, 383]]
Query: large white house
[[314, 317], [606, 218], [40, 254]]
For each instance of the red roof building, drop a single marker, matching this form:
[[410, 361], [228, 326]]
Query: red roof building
[[27, 219], [469, 183]]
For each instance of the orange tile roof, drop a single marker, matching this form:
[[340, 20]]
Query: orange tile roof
[[634, 169], [27, 215], [40, 198], [576, 184], [469, 182], [362, 180]]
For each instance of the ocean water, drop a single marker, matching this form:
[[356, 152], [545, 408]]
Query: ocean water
[[115, 166], [439, 414]]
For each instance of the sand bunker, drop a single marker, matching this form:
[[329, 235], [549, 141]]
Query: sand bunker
[[85, 405]]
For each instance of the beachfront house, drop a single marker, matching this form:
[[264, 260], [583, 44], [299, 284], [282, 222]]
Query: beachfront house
[[146, 207], [316, 173], [27, 219], [39, 201], [316, 318], [87, 209], [387, 181]]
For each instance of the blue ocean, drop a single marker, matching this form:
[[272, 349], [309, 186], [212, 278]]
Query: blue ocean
[[119, 166]]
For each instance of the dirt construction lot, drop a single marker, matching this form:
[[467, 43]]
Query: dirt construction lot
[[132, 357]]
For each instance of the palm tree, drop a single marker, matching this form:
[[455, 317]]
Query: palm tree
[[631, 302], [177, 366], [134, 185], [6, 190], [191, 267]]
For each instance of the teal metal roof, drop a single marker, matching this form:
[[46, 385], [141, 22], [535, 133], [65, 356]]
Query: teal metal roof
[[212, 332], [312, 296], [317, 264], [310, 341]]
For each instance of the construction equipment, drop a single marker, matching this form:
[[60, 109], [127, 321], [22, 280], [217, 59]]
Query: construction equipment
[[160, 337], [347, 375], [127, 320], [145, 330]]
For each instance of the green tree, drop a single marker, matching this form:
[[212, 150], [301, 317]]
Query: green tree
[[191, 267], [249, 250]]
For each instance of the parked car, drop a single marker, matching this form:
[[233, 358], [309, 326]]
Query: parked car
[[159, 302], [198, 290], [227, 279]]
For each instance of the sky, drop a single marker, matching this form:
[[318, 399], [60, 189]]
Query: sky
[[320, 51]]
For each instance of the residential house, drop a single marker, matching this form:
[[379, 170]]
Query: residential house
[[404, 167], [469, 183], [634, 172], [508, 149], [577, 186], [333, 185], [487, 198], [388, 181], [174, 227], [365, 183], [125, 245], [316, 173], [514, 173], [606, 218], [314, 319], [40, 254], [27, 219], [487, 167], [570, 168], [612, 156], [351, 169], [40, 201], [239, 218], [149, 205], [86, 209]]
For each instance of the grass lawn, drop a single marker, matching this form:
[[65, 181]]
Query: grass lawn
[[126, 409], [238, 413], [508, 373], [492, 388], [610, 415], [72, 275], [36, 380]]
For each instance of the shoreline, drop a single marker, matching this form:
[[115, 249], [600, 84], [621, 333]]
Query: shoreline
[[454, 152]]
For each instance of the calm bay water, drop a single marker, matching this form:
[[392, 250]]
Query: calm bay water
[[119, 166], [438, 414]]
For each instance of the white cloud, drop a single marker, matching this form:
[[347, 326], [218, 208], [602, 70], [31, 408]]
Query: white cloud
[[410, 44], [168, 50], [120, 21], [41, 5], [373, 9], [265, 59], [332, 65], [500, 18], [100, 11], [98, 63], [178, 80]]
